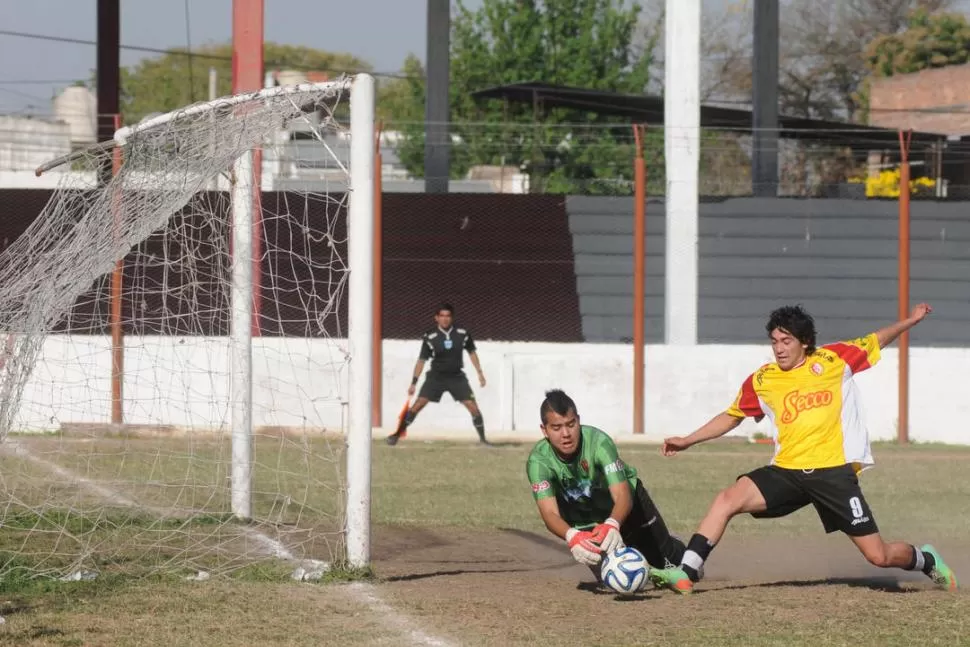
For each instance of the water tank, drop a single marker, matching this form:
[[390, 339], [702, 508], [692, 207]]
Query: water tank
[[78, 108]]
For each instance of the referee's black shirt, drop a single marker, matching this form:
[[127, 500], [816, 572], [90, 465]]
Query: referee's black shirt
[[445, 349]]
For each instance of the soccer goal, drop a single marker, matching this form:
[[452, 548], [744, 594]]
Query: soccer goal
[[231, 423]]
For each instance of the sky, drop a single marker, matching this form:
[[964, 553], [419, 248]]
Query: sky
[[382, 32]]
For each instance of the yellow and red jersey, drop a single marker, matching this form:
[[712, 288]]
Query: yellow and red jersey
[[813, 410]]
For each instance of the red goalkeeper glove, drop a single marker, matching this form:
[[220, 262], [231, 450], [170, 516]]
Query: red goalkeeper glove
[[607, 535], [582, 547]]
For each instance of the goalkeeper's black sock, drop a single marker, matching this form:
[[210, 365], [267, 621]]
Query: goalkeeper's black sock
[[479, 423], [698, 550], [922, 561]]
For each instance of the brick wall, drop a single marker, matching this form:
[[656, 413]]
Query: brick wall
[[892, 100]]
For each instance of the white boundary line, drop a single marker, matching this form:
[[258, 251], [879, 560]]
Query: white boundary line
[[105, 493], [367, 595], [364, 593]]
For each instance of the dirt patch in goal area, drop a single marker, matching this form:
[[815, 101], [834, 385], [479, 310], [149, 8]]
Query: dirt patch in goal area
[[512, 587]]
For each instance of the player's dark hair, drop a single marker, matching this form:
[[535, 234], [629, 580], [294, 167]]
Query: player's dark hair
[[558, 402], [445, 307], [796, 321]]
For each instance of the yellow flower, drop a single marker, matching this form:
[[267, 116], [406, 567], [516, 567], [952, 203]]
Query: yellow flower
[[886, 184]]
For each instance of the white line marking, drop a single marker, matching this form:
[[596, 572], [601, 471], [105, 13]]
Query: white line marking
[[365, 593], [105, 493], [273, 546]]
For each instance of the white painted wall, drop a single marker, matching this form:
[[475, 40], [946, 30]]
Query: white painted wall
[[26, 143], [297, 382], [52, 180]]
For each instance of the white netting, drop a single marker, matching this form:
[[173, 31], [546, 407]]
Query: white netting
[[153, 494]]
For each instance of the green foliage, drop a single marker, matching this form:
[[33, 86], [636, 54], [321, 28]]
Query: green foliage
[[581, 43], [176, 79], [929, 41]]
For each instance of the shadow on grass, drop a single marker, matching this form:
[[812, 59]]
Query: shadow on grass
[[524, 534], [410, 577], [883, 584], [598, 589], [541, 540]]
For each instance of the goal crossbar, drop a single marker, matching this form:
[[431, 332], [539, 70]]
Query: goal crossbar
[[331, 89]]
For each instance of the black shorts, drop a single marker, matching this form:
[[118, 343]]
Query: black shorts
[[645, 530], [435, 384], [834, 491]]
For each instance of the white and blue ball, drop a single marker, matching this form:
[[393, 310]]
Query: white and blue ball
[[624, 571]]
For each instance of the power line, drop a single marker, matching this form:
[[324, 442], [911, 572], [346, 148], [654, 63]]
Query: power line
[[175, 52], [81, 41], [37, 81]]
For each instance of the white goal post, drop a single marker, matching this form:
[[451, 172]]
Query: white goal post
[[243, 123], [361, 319]]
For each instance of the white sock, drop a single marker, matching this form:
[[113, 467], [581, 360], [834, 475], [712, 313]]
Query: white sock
[[693, 560], [920, 559]]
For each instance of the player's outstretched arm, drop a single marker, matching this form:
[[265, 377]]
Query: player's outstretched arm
[[580, 542], [549, 511], [889, 334], [714, 428]]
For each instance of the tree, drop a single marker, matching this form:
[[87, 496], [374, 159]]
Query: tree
[[824, 51], [581, 43], [822, 57], [176, 79], [822, 69], [725, 78], [929, 41], [725, 44]]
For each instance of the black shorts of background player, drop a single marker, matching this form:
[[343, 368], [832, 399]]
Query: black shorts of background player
[[444, 346]]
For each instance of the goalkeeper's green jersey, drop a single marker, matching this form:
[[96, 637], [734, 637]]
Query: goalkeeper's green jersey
[[581, 486]]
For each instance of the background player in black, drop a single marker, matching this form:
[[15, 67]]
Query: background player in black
[[444, 346]]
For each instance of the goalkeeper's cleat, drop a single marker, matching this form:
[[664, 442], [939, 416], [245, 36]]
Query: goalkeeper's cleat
[[942, 575], [673, 578]]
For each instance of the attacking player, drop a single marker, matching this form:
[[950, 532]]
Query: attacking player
[[444, 346], [811, 402], [588, 496]]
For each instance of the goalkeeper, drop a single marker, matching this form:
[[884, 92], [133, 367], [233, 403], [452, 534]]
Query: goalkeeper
[[588, 497]]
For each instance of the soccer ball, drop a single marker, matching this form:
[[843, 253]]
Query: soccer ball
[[624, 571]]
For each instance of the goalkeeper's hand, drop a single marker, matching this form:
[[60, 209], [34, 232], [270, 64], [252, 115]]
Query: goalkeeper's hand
[[607, 535], [582, 547]]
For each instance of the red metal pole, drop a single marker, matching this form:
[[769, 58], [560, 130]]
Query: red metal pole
[[639, 280], [378, 332], [904, 276], [117, 278], [247, 76]]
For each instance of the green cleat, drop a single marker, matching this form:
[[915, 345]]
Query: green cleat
[[942, 575], [673, 578]]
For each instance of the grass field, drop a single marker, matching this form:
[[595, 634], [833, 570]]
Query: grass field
[[460, 557]]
